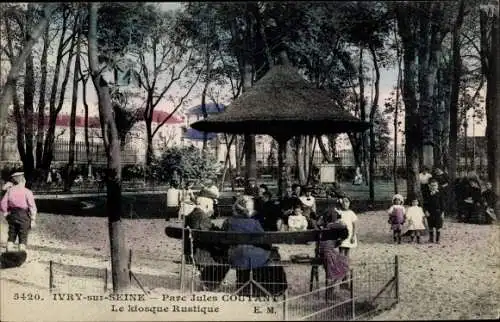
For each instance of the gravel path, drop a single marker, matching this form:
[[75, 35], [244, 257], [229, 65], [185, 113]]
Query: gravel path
[[458, 279]]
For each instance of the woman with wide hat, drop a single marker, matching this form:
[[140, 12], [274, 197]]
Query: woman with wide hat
[[18, 205]]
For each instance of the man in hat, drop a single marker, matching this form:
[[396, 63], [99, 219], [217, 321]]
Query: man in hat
[[18, 205]]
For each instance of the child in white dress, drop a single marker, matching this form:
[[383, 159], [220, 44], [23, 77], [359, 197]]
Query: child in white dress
[[297, 221], [415, 218]]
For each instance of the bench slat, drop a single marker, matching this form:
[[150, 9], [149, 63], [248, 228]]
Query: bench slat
[[270, 237]]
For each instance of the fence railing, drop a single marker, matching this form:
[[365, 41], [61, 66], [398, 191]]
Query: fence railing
[[368, 289]]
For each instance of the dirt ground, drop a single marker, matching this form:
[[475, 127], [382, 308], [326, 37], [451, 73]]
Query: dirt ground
[[457, 279]]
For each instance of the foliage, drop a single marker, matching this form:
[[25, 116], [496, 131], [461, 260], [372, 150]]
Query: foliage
[[126, 113], [133, 172], [188, 163]]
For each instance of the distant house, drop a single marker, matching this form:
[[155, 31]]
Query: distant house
[[135, 146]]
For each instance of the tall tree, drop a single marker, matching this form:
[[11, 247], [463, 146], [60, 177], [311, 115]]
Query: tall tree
[[74, 98], [165, 60], [455, 88], [407, 25], [489, 28], [65, 48], [119, 269], [42, 98], [8, 89]]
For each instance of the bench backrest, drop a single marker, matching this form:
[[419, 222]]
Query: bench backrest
[[269, 237]]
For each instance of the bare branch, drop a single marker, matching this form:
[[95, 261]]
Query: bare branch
[[178, 105], [173, 79]]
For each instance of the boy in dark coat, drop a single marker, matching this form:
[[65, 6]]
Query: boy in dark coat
[[434, 206]]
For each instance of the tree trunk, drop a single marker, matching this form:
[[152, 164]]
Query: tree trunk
[[412, 128], [50, 135], [29, 90], [455, 88], [41, 101], [18, 115], [119, 269], [6, 96], [396, 122], [362, 113], [424, 85], [282, 166], [324, 152], [86, 126], [20, 126], [72, 126], [149, 145], [299, 158], [204, 111], [493, 116], [250, 150], [373, 111]]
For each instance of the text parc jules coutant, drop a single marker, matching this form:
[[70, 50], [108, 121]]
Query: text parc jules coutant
[[192, 303]]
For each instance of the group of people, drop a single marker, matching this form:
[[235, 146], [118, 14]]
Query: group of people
[[255, 211], [414, 217], [19, 209], [474, 202]]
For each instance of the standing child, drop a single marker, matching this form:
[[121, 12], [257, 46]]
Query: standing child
[[397, 217], [434, 211], [415, 217]]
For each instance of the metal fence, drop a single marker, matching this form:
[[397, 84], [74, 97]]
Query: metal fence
[[369, 288], [9, 152]]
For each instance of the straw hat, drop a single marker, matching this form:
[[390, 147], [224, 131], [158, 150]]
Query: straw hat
[[16, 176]]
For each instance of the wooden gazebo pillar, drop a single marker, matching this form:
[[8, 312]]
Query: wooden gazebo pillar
[[282, 163]]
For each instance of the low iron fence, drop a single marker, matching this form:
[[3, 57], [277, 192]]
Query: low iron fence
[[293, 292]]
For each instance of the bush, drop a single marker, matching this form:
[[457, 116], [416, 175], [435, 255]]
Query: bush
[[133, 172], [179, 164]]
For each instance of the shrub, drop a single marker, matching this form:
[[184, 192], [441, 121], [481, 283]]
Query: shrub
[[178, 164]]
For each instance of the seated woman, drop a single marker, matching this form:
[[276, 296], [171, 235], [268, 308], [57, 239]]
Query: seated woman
[[253, 259], [242, 221], [210, 259]]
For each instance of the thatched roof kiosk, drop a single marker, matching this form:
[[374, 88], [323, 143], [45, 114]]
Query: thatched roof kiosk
[[282, 104]]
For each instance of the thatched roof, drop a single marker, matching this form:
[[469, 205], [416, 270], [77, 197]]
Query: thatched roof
[[282, 103]]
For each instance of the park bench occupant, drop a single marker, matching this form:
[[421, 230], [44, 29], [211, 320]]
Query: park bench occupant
[[18, 205], [207, 199], [255, 258], [269, 212]]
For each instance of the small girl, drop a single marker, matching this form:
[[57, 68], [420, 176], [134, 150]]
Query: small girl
[[297, 221], [416, 217], [397, 217]]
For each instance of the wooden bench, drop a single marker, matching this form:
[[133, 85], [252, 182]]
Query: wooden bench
[[226, 238]]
